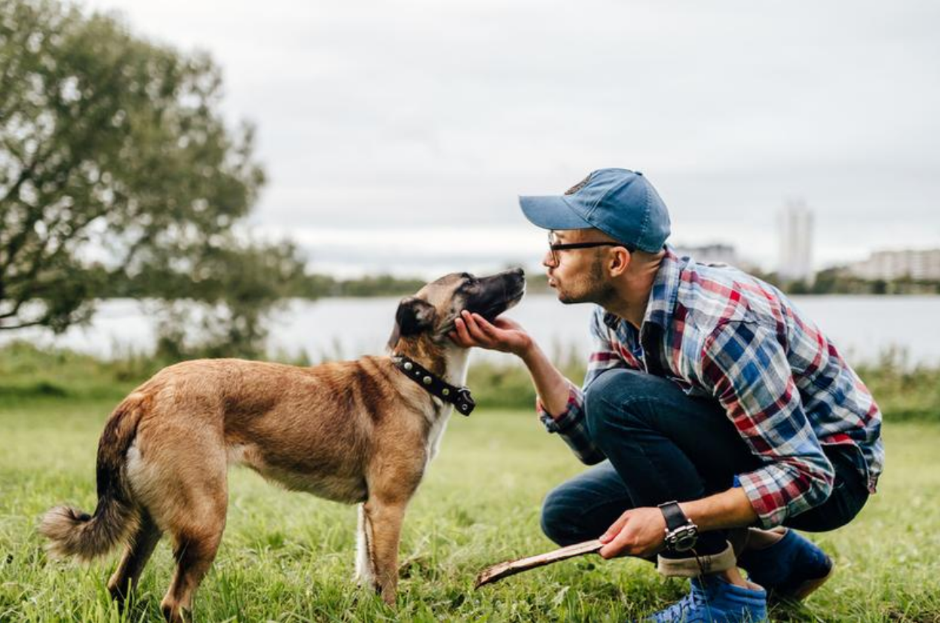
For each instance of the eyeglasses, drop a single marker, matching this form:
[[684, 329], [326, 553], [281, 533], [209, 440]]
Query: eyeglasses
[[554, 247]]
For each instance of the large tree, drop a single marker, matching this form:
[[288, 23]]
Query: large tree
[[115, 161]]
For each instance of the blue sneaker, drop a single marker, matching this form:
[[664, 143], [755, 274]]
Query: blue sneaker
[[791, 568], [713, 600]]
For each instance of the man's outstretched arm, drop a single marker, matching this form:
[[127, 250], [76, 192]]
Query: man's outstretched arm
[[561, 402]]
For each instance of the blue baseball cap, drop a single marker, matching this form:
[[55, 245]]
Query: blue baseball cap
[[619, 202]]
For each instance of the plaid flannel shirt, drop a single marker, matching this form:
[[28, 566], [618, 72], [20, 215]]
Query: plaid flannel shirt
[[718, 332]]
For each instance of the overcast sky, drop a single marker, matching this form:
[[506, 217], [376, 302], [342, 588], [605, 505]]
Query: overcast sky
[[397, 135]]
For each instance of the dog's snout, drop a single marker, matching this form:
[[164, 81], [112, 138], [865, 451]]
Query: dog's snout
[[513, 284], [514, 274], [519, 275]]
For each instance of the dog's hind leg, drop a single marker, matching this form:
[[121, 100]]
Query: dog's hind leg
[[194, 501], [135, 558], [194, 549], [385, 519]]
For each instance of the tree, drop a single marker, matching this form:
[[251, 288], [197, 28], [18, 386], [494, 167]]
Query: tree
[[219, 307], [114, 161]]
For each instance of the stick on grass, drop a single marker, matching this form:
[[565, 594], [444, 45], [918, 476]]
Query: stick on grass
[[512, 567]]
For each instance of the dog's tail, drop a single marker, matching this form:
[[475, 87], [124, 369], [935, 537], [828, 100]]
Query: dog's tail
[[75, 533]]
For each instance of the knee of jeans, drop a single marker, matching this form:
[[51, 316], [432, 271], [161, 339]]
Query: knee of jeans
[[610, 388], [560, 518]]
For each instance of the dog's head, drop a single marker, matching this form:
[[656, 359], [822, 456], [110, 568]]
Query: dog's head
[[434, 308]]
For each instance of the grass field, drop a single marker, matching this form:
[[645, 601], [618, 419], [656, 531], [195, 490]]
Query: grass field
[[289, 556]]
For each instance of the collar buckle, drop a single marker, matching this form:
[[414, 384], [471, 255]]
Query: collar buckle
[[464, 402]]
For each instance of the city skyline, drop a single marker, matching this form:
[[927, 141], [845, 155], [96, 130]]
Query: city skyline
[[393, 252]]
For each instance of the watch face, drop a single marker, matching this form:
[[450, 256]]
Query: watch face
[[683, 538], [685, 541]]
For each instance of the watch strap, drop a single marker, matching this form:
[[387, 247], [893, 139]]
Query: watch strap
[[674, 516]]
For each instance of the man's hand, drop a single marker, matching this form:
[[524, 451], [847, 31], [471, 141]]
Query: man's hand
[[502, 334], [638, 532], [507, 336]]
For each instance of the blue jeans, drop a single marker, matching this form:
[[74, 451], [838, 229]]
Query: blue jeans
[[661, 445]]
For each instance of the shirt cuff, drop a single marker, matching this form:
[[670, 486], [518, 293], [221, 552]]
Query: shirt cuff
[[766, 500], [567, 418]]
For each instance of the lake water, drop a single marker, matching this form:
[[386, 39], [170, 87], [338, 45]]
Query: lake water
[[861, 326]]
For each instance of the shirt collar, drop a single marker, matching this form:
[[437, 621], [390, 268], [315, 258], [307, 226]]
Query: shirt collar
[[663, 294]]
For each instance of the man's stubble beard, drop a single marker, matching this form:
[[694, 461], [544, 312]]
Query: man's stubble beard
[[591, 288]]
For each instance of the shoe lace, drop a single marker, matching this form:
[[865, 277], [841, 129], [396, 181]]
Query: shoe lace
[[692, 603]]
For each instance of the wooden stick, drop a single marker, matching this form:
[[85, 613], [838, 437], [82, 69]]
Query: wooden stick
[[512, 567]]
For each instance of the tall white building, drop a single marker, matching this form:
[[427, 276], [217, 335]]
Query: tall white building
[[795, 229], [890, 265]]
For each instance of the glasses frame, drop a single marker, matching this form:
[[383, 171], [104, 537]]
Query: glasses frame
[[554, 247]]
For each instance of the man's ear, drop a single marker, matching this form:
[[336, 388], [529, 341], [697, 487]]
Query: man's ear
[[414, 315], [620, 260]]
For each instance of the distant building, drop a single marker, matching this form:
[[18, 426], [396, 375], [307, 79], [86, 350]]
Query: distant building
[[709, 253], [795, 229], [891, 265]]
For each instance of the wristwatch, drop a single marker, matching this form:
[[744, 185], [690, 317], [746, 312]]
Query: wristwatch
[[681, 533]]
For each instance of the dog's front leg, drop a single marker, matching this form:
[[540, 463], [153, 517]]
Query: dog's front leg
[[365, 571], [383, 521]]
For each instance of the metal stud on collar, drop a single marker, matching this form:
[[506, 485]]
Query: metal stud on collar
[[434, 386]]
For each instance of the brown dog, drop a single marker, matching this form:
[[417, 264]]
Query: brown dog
[[356, 432]]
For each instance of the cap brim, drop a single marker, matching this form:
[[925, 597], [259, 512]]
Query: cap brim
[[551, 213]]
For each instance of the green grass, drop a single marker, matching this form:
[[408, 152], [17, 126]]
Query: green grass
[[289, 556], [904, 392]]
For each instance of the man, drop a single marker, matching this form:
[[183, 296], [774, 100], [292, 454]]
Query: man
[[720, 416]]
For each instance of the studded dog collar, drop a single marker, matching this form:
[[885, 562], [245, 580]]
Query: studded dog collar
[[457, 396]]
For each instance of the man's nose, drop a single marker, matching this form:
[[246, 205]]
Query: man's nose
[[547, 260]]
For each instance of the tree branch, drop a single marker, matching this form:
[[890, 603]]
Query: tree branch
[[34, 212], [25, 176], [22, 325], [41, 258]]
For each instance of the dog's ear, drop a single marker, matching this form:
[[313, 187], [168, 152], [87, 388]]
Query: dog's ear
[[414, 315]]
